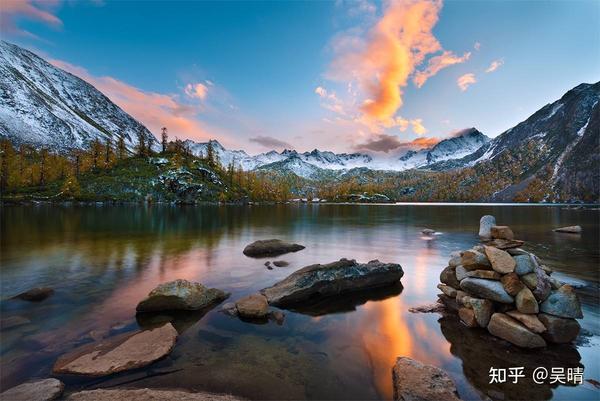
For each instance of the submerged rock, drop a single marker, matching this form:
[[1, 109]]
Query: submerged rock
[[253, 306], [271, 247], [489, 289], [332, 279], [415, 381], [558, 329], [511, 330], [563, 303], [485, 226], [119, 353], [37, 294], [569, 230], [501, 260], [148, 394], [40, 390], [428, 231], [180, 295]]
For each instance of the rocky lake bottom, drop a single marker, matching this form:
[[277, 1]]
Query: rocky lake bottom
[[101, 261]]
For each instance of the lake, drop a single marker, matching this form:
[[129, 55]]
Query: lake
[[102, 260]]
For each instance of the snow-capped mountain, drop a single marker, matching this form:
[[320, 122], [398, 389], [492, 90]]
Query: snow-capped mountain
[[43, 105]]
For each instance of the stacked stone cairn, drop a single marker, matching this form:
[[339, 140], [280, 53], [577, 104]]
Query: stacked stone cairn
[[499, 286]]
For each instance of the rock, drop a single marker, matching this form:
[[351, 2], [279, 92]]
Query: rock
[[475, 260], [40, 390], [253, 306], [502, 232], [281, 263], [467, 316], [455, 260], [271, 247], [511, 330], [486, 274], [332, 279], [277, 316], [448, 276], [268, 265], [428, 231], [449, 303], [555, 284], [482, 310], [485, 226], [539, 283], [524, 264], [526, 302], [181, 295], [146, 394], [119, 353], [460, 297], [501, 260], [517, 251], [489, 289], [13, 321], [511, 283], [446, 289], [436, 307], [563, 303], [505, 244], [461, 273], [530, 321], [37, 294], [558, 329], [570, 230], [414, 381], [230, 309]]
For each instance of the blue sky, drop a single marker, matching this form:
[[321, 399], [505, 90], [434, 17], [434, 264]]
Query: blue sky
[[315, 74]]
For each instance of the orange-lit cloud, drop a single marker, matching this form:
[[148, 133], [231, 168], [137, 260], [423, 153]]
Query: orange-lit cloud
[[495, 65], [436, 63], [154, 110], [464, 81], [387, 143], [197, 90], [13, 9]]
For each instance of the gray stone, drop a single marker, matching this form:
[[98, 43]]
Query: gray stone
[[332, 279], [181, 295], [475, 260], [526, 302], [454, 261], [489, 289], [461, 273], [271, 247], [525, 264], [448, 276], [559, 330], [569, 230], [501, 260], [281, 263], [446, 289], [482, 310], [563, 303], [511, 330], [40, 390], [116, 354], [486, 274], [539, 283], [485, 226], [414, 381]]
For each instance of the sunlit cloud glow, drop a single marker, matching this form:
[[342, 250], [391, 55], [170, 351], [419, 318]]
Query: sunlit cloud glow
[[494, 65], [12, 10], [466, 80]]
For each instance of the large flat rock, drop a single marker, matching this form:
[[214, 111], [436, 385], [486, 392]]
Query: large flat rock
[[40, 390], [414, 381], [332, 279], [563, 303], [146, 394], [181, 295], [270, 247], [119, 353], [488, 289], [511, 330]]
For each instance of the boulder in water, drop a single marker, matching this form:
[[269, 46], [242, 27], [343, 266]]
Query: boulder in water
[[485, 226], [509, 329], [569, 230], [563, 303], [270, 247], [415, 381], [39, 390], [253, 306], [181, 295], [37, 294]]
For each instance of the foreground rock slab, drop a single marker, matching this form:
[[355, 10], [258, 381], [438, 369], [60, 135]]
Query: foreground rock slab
[[116, 354], [40, 390], [37, 294], [569, 230], [489, 289], [146, 394], [511, 330], [416, 381], [558, 329], [180, 295], [271, 247], [332, 279]]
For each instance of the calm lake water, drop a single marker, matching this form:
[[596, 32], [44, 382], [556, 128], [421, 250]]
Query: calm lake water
[[103, 260]]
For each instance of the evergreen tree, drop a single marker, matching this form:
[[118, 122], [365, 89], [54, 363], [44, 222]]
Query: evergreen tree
[[121, 149], [141, 147], [107, 153], [210, 154], [164, 139]]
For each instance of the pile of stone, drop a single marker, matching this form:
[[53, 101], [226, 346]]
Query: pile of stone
[[499, 286]]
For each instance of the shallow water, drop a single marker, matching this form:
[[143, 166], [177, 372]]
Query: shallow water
[[102, 260]]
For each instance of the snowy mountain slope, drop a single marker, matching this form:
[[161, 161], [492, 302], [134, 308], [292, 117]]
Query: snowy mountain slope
[[45, 106]]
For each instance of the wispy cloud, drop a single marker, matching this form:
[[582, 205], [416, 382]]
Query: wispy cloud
[[196, 90], [437, 63], [270, 142], [387, 143], [466, 80], [495, 65], [13, 10], [477, 46]]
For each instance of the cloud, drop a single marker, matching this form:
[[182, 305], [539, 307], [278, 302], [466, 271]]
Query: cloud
[[13, 10], [197, 90], [436, 63], [270, 143], [464, 81], [330, 101], [154, 110], [495, 65], [387, 143], [477, 46], [382, 59], [417, 126]]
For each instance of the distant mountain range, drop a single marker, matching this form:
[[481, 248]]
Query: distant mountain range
[[555, 151]]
